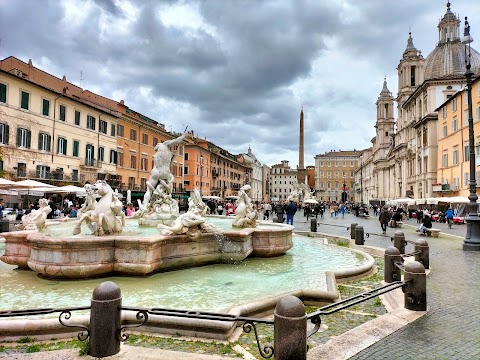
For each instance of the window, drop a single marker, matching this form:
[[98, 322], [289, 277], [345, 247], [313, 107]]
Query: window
[[186, 156], [74, 175], [477, 113], [43, 172], [21, 170], [444, 159], [444, 112], [77, 117], [4, 133], [145, 139], [455, 155], [454, 125], [155, 141], [113, 156], [89, 155], [133, 134], [143, 184], [185, 170], [144, 164], [45, 107], [444, 130], [412, 75], [131, 182], [23, 138], [44, 140], [454, 104], [133, 161], [466, 147], [24, 100], [103, 126], [62, 112], [120, 130], [62, 146], [3, 93], [91, 122], [113, 130], [120, 159], [101, 154], [76, 146]]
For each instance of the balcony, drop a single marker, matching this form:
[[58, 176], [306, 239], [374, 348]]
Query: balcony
[[90, 164], [214, 173]]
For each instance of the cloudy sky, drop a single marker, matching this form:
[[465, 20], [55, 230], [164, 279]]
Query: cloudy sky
[[236, 72]]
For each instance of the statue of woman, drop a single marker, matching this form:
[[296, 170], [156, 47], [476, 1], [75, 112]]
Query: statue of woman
[[245, 214]]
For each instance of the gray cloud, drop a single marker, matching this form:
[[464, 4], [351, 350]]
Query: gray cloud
[[242, 77]]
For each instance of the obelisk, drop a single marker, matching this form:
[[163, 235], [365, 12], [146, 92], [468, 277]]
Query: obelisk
[[301, 165]]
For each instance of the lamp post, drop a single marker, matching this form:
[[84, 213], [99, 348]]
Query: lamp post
[[201, 173], [472, 239]]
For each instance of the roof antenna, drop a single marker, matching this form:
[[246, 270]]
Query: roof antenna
[[81, 77]]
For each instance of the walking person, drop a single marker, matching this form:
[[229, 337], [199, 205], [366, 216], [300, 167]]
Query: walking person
[[384, 218], [266, 212], [290, 210], [279, 211]]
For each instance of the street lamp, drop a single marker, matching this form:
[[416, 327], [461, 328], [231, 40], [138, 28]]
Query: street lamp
[[472, 239], [201, 173]]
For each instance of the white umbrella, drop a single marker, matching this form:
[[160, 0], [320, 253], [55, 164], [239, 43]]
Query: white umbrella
[[7, 184], [311, 201], [30, 184], [71, 189]]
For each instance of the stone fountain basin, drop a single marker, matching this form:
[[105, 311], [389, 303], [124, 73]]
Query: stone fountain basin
[[90, 256]]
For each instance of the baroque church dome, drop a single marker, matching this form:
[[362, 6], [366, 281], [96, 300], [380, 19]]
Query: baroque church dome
[[448, 58]]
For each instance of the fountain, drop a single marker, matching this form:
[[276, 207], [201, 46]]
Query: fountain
[[180, 240]]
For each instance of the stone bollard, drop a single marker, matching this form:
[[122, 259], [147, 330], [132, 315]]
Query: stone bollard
[[290, 329], [399, 241], [424, 256], [352, 230], [313, 225], [415, 288], [392, 273], [105, 320], [359, 239]]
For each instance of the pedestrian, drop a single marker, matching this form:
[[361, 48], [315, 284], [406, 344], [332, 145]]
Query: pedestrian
[[1, 208], [384, 218], [220, 208], [290, 210], [279, 211], [343, 209], [266, 213], [52, 206], [130, 209]]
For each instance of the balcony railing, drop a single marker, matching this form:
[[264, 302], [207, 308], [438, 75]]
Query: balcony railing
[[91, 163]]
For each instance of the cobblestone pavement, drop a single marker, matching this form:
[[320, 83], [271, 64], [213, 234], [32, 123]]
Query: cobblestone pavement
[[451, 328]]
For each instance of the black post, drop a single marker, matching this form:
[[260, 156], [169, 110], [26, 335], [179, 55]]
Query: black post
[[359, 235], [472, 239], [399, 241], [415, 287], [290, 329], [105, 320], [313, 225], [424, 256], [352, 230], [392, 272]]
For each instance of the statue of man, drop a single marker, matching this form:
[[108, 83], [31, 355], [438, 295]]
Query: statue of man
[[160, 174]]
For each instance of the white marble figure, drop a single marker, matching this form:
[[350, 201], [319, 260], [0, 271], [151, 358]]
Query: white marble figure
[[245, 214], [90, 201], [102, 220], [192, 223], [158, 206], [37, 218]]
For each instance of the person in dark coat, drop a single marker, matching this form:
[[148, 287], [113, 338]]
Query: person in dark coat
[[290, 210], [279, 211], [384, 218]]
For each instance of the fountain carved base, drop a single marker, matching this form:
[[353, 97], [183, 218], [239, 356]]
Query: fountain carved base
[[90, 256]]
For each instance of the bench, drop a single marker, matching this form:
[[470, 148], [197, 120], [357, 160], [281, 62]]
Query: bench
[[432, 232]]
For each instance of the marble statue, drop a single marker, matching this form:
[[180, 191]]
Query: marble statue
[[191, 223], [158, 206], [36, 219], [245, 214], [105, 218], [90, 200]]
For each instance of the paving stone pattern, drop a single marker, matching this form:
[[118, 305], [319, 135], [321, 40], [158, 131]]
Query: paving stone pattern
[[451, 328]]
